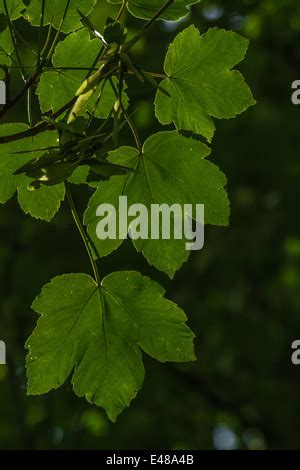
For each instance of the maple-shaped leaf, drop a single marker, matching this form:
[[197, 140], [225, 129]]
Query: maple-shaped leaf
[[200, 80], [96, 333], [171, 169]]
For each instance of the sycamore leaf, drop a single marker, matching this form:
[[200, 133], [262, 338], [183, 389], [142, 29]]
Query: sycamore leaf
[[97, 334], [171, 170], [58, 87], [145, 9], [54, 12], [200, 80], [35, 204]]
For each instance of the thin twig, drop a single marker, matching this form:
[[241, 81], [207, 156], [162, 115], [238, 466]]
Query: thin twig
[[38, 129], [120, 13], [40, 35], [56, 38], [45, 47], [11, 103], [82, 232], [128, 119], [13, 39]]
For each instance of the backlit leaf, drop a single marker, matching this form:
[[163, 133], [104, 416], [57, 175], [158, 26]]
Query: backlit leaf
[[96, 334], [172, 170], [200, 80]]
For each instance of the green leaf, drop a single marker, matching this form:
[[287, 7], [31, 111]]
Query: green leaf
[[42, 203], [172, 170], [10, 162], [200, 81], [54, 12], [7, 47], [97, 334], [15, 8], [145, 9], [58, 87]]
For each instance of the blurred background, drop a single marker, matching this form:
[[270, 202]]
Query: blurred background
[[241, 292]]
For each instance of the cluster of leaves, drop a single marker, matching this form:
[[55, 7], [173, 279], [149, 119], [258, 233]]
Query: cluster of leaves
[[96, 328]]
